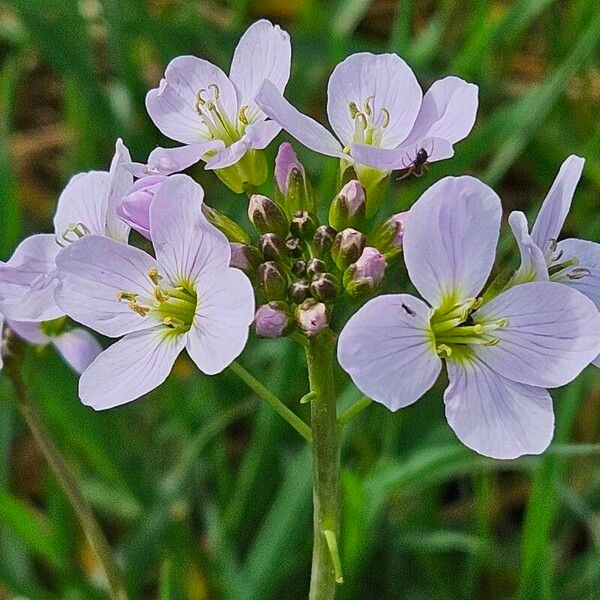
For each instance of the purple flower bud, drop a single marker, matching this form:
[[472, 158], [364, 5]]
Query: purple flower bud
[[286, 162], [349, 206], [295, 247], [244, 257], [347, 247], [366, 275], [303, 225], [272, 281], [272, 247], [135, 206], [323, 238], [312, 316], [388, 236], [272, 320], [267, 216], [315, 266]]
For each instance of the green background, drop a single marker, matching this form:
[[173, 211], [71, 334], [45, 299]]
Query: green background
[[202, 490]]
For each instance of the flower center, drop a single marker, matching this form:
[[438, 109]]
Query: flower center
[[368, 124], [454, 329], [213, 115], [174, 306], [563, 270]]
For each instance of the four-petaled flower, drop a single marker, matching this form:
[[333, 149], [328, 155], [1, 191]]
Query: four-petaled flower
[[216, 116], [573, 262], [501, 353], [187, 296]]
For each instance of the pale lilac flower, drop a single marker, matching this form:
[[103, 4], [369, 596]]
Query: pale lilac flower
[[544, 257], [76, 345], [186, 297], [500, 355], [379, 114], [370, 267], [216, 116], [272, 320], [86, 206], [134, 209]]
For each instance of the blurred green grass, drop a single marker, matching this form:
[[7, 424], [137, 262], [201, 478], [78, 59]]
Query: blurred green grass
[[204, 492]]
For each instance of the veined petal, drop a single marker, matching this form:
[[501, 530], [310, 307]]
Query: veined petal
[[533, 264], [495, 416], [78, 347], [306, 130], [224, 314], [387, 349], [93, 272], [130, 368], [557, 203], [172, 105], [450, 239], [227, 156], [260, 135], [82, 206], [386, 83], [28, 280], [186, 245], [448, 112], [588, 254], [165, 161], [120, 184], [263, 53], [552, 333], [30, 331]]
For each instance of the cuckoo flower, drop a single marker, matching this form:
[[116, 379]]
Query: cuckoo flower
[[216, 116], [186, 297], [573, 262], [86, 206], [500, 354], [76, 345], [379, 114]]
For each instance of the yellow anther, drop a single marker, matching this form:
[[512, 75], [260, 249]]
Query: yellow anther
[[172, 322], [367, 105], [129, 296], [491, 342], [386, 117], [153, 275], [242, 115], [353, 109], [139, 309], [160, 295]]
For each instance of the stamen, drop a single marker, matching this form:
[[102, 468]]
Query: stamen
[[173, 323], [386, 117], [353, 109], [215, 90], [442, 350], [579, 273], [367, 106], [154, 275], [242, 115], [139, 309], [160, 295], [128, 296]]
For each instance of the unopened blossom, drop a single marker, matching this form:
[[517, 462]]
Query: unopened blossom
[[86, 206], [379, 115], [368, 270], [77, 346], [500, 354], [272, 320], [186, 297], [544, 257], [214, 115]]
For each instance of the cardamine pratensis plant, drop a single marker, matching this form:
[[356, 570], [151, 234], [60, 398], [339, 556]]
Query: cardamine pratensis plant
[[503, 344]]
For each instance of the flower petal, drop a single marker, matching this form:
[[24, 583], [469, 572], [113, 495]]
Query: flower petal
[[28, 280], [387, 83], [92, 272], [223, 317], [495, 416], [533, 264], [78, 347], [120, 184], [172, 105], [227, 156], [29, 331], [165, 161], [130, 368], [186, 245], [260, 135], [448, 112], [306, 130], [450, 239], [263, 53], [553, 333], [387, 350], [588, 254], [557, 203]]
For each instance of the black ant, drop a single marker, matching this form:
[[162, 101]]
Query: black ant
[[419, 165]]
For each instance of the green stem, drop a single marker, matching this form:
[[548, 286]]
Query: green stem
[[326, 467], [362, 403], [68, 483], [278, 406]]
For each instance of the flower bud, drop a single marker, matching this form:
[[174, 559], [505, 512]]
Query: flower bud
[[366, 274], [325, 287], [272, 281], [291, 180], [299, 268], [347, 248], [315, 266], [233, 232], [267, 216], [299, 291], [303, 225], [245, 258], [348, 207], [273, 320], [388, 236], [312, 316], [323, 238], [135, 206], [272, 247], [294, 246]]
